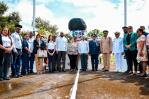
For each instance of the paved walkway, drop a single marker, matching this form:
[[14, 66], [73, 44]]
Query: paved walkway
[[91, 85]]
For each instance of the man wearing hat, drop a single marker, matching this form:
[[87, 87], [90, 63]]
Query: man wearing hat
[[118, 49], [17, 41], [125, 29], [106, 50]]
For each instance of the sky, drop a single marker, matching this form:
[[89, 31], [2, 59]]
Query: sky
[[100, 14]]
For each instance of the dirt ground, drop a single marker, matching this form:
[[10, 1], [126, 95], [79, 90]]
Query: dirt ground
[[99, 85]]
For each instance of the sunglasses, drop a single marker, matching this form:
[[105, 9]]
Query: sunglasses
[[129, 28]]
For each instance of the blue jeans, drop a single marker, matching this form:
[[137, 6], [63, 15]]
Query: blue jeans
[[15, 67], [31, 62], [7, 58], [25, 64], [94, 61], [51, 61], [1, 67]]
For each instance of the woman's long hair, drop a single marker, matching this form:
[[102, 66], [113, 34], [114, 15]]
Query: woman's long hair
[[3, 30], [38, 35], [53, 38]]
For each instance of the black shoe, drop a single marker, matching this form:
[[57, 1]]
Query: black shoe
[[21, 75], [81, 70], [63, 70], [126, 72], [105, 70], [12, 76], [59, 70], [16, 76], [7, 78], [144, 75], [76, 68], [31, 72], [1, 79]]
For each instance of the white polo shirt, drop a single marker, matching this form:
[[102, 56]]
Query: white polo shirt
[[6, 41], [83, 47], [51, 45], [61, 44], [17, 40], [31, 43]]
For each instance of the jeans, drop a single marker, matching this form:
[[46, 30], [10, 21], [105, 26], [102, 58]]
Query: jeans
[[51, 61], [15, 67], [7, 59], [31, 62], [94, 61], [25, 64], [61, 55], [131, 59], [83, 61], [1, 67]]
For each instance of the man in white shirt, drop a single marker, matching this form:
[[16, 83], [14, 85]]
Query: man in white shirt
[[61, 48], [118, 49], [17, 41], [83, 49], [32, 55]]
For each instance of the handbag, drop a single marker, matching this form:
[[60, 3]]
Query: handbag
[[42, 53]]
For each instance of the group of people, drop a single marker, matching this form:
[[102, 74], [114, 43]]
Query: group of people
[[19, 53], [134, 46], [136, 50]]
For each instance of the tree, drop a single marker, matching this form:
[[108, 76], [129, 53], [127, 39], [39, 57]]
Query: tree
[[44, 26], [95, 31], [10, 20], [3, 8], [68, 36], [13, 19]]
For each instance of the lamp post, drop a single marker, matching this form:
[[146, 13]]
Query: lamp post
[[34, 12], [125, 12]]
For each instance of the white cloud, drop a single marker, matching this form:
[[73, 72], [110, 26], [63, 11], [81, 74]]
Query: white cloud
[[106, 15], [44, 1], [138, 13], [24, 7], [84, 3]]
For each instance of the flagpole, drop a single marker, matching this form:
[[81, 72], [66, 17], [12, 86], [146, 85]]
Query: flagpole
[[34, 10], [125, 12]]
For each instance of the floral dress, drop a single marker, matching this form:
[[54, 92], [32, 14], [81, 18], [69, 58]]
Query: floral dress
[[144, 57], [72, 49]]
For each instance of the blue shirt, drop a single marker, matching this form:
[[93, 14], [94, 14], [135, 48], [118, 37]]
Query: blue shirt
[[94, 47]]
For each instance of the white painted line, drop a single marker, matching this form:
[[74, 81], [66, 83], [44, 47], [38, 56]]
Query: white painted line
[[75, 85]]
